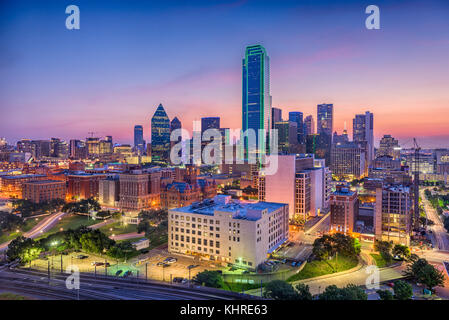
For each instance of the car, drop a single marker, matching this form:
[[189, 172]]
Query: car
[[170, 260], [107, 264], [192, 266], [160, 264], [127, 273], [293, 263], [97, 264], [177, 279], [82, 256], [118, 272], [390, 284], [184, 281]]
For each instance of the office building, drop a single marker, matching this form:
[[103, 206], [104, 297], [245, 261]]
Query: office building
[[309, 125], [287, 136], [348, 161], [139, 142], [160, 135], [83, 185], [325, 119], [276, 115], [228, 231], [256, 102], [301, 181], [109, 191], [297, 118], [363, 133], [344, 206], [40, 191], [209, 123], [393, 214], [389, 146], [140, 190]]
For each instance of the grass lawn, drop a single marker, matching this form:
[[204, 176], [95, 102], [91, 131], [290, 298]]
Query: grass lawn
[[318, 268], [11, 296], [118, 228], [29, 224], [71, 221], [157, 239], [239, 287], [380, 262]]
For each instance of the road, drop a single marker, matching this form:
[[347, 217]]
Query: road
[[43, 226], [440, 235], [101, 224], [37, 285], [125, 236]]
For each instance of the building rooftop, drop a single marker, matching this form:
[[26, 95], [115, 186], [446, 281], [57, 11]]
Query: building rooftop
[[23, 176], [44, 181], [242, 211]]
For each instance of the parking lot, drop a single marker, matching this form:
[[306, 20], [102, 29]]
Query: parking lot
[[150, 265]]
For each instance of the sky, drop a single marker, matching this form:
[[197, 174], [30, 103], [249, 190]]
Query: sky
[[129, 56]]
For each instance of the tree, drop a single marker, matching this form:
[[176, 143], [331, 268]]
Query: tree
[[384, 248], [303, 292], [328, 245], [24, 249], [402, 290], [423, 272], [402, 251], [280, 290], [95, 241], [9, 222], [385, 294], [446, 223], [209, 279], [350, 292]]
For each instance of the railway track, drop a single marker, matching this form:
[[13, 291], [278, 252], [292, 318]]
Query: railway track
[[106, 287]]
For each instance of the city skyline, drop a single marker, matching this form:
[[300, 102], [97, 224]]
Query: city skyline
[[49, 93]]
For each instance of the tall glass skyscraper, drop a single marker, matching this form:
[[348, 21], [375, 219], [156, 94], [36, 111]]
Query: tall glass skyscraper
[[160, 135], [363, 133], [325, 119], [256, 102], [297, 117], [139, 143]]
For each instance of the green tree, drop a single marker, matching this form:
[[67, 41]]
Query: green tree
[[384, 248], [24, 249], [385, 295], [95, 241], [280, 290], [9, 222], [402, 251], [402, 290], [423, 272], [303, 292], [209, 279], [350, 292]]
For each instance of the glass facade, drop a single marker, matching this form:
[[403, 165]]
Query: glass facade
[[160, 135], [256, 102]]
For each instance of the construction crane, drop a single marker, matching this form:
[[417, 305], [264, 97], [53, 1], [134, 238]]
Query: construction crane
[[417, 149]]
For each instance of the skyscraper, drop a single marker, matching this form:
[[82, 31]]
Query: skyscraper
[[325, 119], [389, 146], [309, 125], [297, 117], [139, 143], [175, 124], [160, 135], [256, 100], [276, 115], [210, 123], [363, 133]]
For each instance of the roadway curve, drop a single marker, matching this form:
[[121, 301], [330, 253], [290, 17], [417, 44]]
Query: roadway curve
[[43, 226]]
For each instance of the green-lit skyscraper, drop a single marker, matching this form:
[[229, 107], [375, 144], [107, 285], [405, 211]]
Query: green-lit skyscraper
[[256, 100]]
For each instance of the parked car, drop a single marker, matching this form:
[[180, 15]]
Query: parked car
[[184, 281], [192, 266], [97, 264], [118, 272], [177, 279], [170, 260], [127, 273], [82, 256]]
